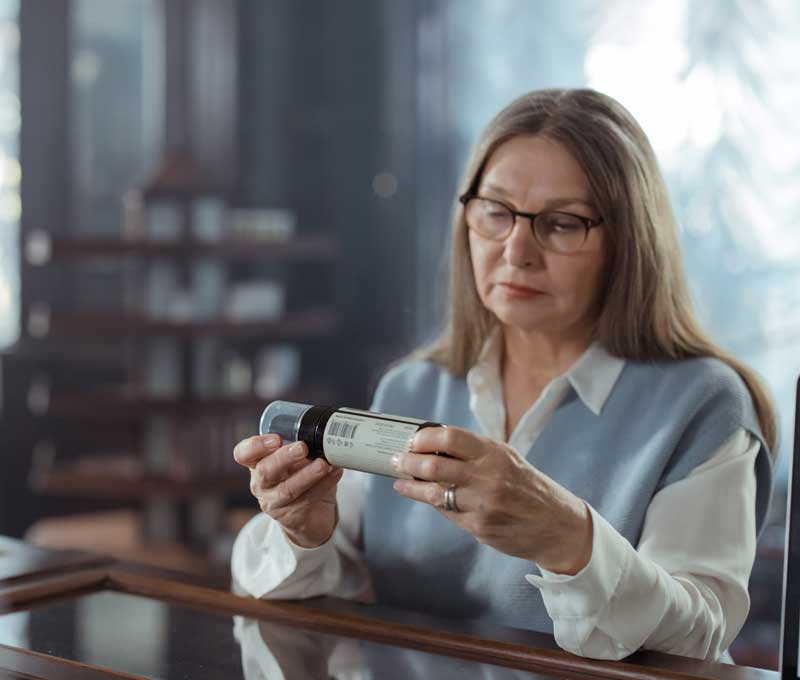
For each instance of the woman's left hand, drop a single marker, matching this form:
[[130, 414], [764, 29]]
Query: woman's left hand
[[502, 500]]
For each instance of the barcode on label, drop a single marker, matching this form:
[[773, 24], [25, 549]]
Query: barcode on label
[[345, 430]]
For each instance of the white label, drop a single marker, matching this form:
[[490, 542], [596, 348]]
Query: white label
[[361, 440]]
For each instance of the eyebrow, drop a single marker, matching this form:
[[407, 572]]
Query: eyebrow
[[552, 203]]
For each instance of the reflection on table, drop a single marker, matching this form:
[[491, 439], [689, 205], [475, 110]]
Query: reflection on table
[[273, 651], [164, 641]]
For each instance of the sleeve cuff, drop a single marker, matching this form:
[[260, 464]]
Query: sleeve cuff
[[588, 592], [302, 556], [264, 559]]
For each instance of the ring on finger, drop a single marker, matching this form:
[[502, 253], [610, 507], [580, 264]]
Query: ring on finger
[[450, 499]]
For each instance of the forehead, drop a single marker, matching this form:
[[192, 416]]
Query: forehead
[[531, 168]]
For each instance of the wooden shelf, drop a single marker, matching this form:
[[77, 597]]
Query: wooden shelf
[[302, 248], [127, 480], [99, 325], [129, 405]]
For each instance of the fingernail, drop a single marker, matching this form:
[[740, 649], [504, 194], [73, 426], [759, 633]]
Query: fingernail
[[271, 440], [410, 443], [321, 465], [395, 461], [297, 450]]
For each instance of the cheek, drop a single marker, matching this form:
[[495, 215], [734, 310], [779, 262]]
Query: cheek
[[480, 264], [578, 280], [589, 283]]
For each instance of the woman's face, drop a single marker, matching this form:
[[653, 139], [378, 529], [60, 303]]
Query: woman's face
[[532, 174]]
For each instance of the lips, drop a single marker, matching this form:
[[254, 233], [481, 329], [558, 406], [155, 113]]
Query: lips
[[521, 289]]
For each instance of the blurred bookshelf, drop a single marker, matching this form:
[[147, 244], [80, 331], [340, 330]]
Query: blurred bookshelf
[[113, 326], [157, 318], [301, 248], [185, 327]]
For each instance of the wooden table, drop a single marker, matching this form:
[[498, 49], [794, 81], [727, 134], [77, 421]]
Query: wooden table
[[74, 615]]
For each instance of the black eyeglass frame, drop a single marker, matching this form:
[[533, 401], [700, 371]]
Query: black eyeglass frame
[[588, 222]]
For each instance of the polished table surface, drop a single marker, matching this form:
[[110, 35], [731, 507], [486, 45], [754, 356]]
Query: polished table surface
[[94, 618], [155, 639]]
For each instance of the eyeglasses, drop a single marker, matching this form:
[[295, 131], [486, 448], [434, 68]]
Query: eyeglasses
[[556, 231]]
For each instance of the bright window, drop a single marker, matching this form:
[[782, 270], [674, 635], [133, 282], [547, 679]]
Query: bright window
[[10, 174]]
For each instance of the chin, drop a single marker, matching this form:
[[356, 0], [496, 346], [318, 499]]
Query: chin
[[525, 321]]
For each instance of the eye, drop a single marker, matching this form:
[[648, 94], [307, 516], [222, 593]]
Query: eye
[[564, 223], [493, 210]]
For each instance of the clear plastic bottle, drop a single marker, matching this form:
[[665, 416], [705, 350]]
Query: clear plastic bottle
[[345, 437]]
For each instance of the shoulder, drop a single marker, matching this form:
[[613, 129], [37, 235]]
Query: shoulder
[[700, 395], [407, 382], [694, 381], [705, 398]]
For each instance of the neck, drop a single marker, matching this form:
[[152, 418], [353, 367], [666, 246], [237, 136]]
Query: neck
[[539, 357]]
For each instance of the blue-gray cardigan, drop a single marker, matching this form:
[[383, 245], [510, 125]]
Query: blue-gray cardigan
[[660, 421]]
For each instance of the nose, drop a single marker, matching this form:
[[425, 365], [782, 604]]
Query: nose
[[521, 247]]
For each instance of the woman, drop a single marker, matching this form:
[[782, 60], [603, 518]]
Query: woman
[[587, 414]]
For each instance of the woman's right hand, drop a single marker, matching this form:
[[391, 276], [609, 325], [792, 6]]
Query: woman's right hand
[[298, 493]]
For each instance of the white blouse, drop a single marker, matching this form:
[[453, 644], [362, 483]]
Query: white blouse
[[682, 590]]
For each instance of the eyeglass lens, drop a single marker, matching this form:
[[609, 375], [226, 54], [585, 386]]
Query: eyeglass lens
[[554, 230]]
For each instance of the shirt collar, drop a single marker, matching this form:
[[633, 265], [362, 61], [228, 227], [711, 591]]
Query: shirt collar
[[592, 376]]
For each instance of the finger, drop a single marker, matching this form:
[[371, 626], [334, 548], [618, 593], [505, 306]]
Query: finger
[[322, 488], [276, 467], [454, 441], [432, 468], [299, 465], [294, 467], [290, 489], [433, 494], [251, 450]]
